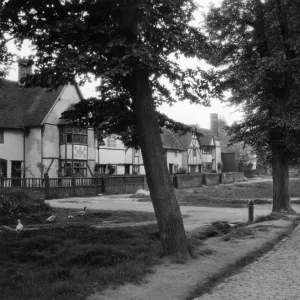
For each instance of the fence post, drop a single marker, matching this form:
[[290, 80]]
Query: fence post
[[103, 184], [47, 186], [73, 186], [125, 184]]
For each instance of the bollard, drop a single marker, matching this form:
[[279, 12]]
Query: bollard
[[250, 211]]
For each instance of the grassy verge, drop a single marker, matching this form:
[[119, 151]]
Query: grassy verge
[[243, 232], [68, 263]]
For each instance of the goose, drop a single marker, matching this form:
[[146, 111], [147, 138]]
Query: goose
[[19, 226], [51, 218], [82, 213], [70, 217]]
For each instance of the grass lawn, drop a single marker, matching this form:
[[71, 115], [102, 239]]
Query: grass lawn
[[230, 195], [71, 262], [102, 216]]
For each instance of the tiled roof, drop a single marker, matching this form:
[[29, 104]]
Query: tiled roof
[[170, 141], [184, 139], [24, 107], [207, 139]]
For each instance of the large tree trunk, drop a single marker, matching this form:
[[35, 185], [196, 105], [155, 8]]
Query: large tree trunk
[[280, 173], [163, 197]]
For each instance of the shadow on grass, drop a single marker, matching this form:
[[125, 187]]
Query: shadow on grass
[[69, 263]]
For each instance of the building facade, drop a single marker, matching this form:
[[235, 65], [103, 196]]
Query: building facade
[[34, 140]]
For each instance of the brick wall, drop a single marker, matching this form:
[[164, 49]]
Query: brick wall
[[211, 179], [188, 180], [227, 177]]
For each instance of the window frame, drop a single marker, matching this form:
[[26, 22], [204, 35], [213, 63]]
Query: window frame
[[207, 150], [73, 135], [71, 163], [194, 152], [134, 172]]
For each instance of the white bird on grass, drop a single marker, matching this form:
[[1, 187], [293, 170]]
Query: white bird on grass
[[70, 217], [19, 226], [82, 213], [51, 219]]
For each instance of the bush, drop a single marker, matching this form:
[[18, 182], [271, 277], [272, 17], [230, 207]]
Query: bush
[[181, 171], [18, 203]]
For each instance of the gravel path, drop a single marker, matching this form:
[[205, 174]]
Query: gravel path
[[275, 276]]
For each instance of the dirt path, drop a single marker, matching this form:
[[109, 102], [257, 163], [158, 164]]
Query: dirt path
[[194, 216]]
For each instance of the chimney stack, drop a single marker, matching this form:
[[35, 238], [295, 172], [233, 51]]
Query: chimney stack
[[214, 124], [23, 70]]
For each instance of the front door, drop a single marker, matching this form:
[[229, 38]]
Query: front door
[[16, 171], [127, 169]]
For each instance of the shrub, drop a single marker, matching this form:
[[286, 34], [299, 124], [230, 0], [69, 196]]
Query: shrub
[[181, 171], [18, 203]]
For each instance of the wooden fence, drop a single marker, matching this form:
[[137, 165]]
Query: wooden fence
[[61, 187]]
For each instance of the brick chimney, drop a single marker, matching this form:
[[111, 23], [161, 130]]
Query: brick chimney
[[214, 124], [23, 71], [222, 123]]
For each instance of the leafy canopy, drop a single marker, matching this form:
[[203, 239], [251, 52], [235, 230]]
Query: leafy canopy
[[89, 38], [257, 47]]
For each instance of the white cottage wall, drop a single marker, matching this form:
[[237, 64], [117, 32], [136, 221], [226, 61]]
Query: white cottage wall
[[12, 148]]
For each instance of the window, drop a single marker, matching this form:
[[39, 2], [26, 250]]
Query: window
[[111, 141], [194, 152], [207, 167], [175, 168], [74, 167], [192, 168], [3, 168], [73, 135], [135, 169], [1, 136], [207, 150]]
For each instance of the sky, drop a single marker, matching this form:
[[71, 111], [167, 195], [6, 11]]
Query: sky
[[181, 111]]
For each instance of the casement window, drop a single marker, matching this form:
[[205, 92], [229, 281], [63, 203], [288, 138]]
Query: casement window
[[73, 135], [111, 142], [74, 167], [1, 136], [135, 169], [207, 150]]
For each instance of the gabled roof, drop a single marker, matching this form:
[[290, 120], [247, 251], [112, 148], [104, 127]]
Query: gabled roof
[[207, 139], [169, 140], [21, 107], [184, 139]]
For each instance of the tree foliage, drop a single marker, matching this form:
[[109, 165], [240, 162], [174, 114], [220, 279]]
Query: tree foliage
[[258, 45], [87, 38], [130, 45]]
